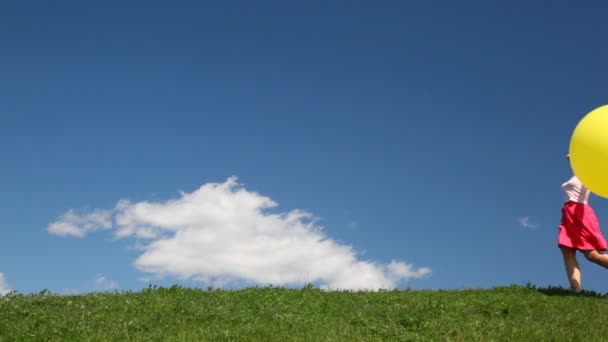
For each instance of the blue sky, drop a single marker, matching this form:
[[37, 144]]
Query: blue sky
[[420, 133]]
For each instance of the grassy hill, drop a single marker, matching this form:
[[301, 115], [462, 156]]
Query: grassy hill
[[512, 313]]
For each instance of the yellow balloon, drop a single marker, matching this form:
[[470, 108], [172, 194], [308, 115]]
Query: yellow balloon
[[589, 151]]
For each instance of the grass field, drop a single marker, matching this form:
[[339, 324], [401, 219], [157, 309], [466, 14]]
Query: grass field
[[514, 313]]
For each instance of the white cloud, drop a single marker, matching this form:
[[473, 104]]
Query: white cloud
[[526, 224], [71, 292], [4, 289], [104, 284], [79, 225], [222, 233]]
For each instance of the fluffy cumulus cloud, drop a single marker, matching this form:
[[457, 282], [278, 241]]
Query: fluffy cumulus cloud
[[73, 224], [222, 233], [3, 285]]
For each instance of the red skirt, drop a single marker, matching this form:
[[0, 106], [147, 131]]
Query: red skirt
[[579, 228]]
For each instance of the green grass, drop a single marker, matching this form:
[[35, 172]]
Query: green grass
[[515, 313]]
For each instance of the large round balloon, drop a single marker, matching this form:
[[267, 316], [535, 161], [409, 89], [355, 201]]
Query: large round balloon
[[589, 151]]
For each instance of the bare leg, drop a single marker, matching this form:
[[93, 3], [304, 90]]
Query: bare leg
[[573, 271], [597, 257]]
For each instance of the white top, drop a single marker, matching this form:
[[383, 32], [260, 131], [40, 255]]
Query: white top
[[575, 191]]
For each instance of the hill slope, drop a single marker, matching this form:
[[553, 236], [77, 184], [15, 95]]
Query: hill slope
[[308, 314]]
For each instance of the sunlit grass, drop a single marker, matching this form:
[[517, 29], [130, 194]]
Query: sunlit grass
[[512, 313]]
